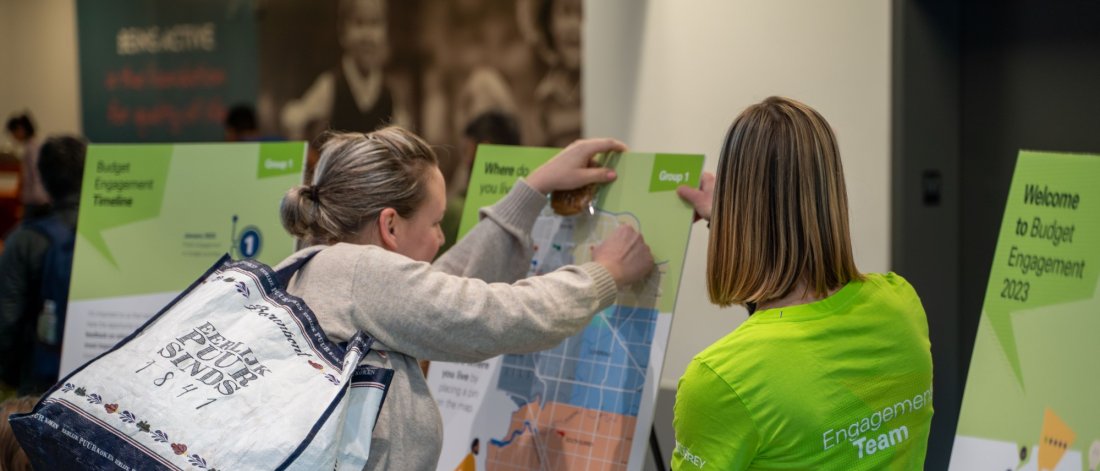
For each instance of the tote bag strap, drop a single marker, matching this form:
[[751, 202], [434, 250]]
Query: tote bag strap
[[283, 275]]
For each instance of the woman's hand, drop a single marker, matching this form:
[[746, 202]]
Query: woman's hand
[[573, 167], [625, 255], [700, 199]]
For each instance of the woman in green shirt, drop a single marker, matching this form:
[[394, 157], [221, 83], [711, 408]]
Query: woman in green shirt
[[832, 370]]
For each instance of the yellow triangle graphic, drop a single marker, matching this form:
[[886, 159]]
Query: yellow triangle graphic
[[1055, 439]]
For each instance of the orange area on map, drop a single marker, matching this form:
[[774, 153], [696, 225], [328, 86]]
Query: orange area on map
[[1055, 439], [570, 437]]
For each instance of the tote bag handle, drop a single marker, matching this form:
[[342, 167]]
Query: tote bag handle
[[283, 275]]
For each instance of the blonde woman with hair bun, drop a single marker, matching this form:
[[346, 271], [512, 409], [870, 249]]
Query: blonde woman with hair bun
[[833, 368], [372, 216]]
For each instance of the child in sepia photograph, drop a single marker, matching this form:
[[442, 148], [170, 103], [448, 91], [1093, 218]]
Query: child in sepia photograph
[[559, 93], [355, 95]]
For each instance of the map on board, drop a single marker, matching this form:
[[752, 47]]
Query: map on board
[[588, 402]]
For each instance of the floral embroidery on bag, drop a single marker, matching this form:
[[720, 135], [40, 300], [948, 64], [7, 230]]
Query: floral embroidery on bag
[[129, 418], [242, 288]]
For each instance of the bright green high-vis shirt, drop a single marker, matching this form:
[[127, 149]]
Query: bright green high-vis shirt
[[841, 383]]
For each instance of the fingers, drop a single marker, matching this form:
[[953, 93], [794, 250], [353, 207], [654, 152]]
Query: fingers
[[625, 255], [618, 238], [702, 199], [639, 256], [626, 232], [706, 182], [574, 166], [591, 147], [636, 258], [591, 175], [691, 195]]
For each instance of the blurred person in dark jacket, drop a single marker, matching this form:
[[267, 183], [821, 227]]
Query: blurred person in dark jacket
[[61, 165]]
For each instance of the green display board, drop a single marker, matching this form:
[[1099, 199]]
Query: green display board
[[645, 186], [589, 401], [154, 217], [1032, 400]]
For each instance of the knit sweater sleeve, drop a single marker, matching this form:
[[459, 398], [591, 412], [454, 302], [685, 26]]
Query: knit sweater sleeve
[[431, 315], [498, 248]]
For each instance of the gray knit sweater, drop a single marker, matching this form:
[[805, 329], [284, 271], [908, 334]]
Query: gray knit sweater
[[466, 307]]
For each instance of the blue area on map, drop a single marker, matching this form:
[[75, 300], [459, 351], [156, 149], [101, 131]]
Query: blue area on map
[[527, 427], [602, 368]]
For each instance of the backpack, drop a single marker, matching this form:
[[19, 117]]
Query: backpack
[[57, 268]]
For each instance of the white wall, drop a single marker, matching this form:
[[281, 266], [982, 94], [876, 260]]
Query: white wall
[[670, 75], [663, 75], [39, 63]]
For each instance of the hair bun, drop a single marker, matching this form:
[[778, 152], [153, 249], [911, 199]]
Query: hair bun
[[299, 210], [310, 192]]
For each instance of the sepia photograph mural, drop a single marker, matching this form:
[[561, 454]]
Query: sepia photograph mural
[[458, 72]]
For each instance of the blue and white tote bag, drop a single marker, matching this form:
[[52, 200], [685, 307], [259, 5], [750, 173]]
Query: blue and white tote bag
[[233, 374]]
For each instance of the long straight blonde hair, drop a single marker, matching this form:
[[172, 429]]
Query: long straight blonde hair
[[780, 212]]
